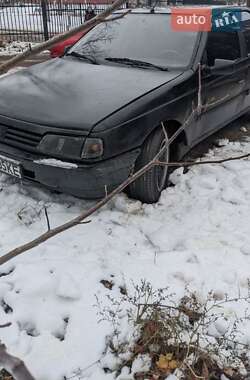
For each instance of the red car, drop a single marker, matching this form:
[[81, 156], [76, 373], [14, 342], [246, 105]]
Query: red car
[[59, 49]]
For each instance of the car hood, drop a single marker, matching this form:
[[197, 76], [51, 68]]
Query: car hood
[[70, 93]]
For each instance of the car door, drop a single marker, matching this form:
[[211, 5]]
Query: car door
[[223, 80]]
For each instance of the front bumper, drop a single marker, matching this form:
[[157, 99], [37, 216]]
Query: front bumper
[[86, 181]]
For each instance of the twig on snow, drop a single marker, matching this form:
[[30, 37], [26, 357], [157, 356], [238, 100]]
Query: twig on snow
[[8, 324], [47, 217]]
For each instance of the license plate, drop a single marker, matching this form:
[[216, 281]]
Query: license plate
[[9, 166]]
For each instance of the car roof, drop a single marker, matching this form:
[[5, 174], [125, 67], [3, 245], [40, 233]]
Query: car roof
[[167, 10]]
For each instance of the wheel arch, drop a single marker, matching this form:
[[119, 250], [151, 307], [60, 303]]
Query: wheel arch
[[172, 126], [180, 143]]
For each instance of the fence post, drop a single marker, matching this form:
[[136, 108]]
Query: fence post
[[45, 19]]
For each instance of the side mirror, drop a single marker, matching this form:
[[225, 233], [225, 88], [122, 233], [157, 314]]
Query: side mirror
[[221, 67]]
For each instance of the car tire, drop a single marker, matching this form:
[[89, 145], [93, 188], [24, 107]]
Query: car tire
[[149, 186]]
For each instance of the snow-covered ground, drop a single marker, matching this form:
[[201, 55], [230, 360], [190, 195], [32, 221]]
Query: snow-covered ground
[[197, 235], [15, 47]]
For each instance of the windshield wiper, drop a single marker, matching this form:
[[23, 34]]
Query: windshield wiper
[[136, 63], [82, 56]]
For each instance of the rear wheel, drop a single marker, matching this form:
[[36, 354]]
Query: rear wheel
[[148, 187]]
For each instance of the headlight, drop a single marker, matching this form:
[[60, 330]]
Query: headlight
[[93, 148], [65, 146], [71, 147]]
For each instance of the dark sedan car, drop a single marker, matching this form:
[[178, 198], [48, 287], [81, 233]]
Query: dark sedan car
[[83, 123]]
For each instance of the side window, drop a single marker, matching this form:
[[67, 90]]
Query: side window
[[223, 46], [245, 27]]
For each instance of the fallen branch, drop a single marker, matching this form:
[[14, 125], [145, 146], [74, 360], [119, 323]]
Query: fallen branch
[[13, 365], [194, 163], [30, 52]]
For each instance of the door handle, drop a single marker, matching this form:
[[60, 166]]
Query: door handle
[[241, 81]]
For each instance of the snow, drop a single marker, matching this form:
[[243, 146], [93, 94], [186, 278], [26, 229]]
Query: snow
[[197, 236], [57, 163], [142, 363], [12, 48]]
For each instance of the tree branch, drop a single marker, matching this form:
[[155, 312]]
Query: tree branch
[[13, 365], [116, 17], [194, 163]]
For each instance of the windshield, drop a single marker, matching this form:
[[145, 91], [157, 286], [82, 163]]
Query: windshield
[[142, 37]]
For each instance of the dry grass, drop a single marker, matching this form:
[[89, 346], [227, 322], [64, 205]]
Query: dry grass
[[177, 336], [4, 375]]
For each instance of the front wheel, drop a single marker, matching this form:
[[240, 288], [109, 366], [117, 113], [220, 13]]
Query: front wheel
[[149, 186]]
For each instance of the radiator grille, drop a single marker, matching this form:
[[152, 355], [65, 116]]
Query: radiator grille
[[19, 137]]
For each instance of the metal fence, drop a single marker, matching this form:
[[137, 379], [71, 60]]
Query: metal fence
[[40, 20]]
